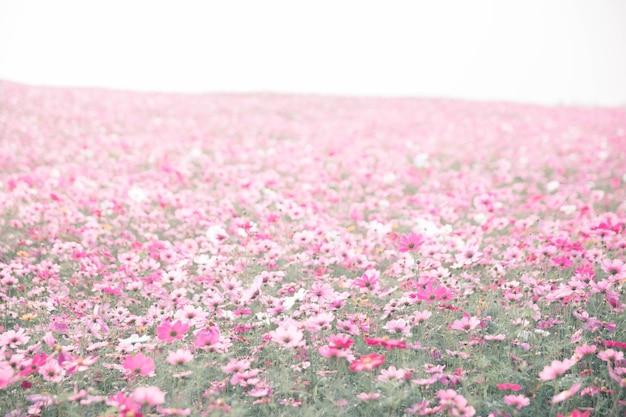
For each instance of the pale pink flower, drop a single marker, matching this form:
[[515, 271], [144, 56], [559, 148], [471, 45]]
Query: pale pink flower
[[148, 395], [392, 373], [368, 396], [577, 336], [399, 326], [496, 337], [236, 365], [261, 389], [52, 371], [179, 357], [518, 401], [7, 375], [610, 355], [615, 268], [288, 336], [556, 368], [12, 339], [564, 395], [466, 324], [420, 316], [580, 351]]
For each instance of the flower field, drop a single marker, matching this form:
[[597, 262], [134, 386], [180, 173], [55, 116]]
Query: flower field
[[276, 255]]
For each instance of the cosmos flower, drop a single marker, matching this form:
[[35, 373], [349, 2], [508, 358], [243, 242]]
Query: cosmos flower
[[556, 368], [367, 362], [139, 365], [410, 242], [169, 332], [148, 395]]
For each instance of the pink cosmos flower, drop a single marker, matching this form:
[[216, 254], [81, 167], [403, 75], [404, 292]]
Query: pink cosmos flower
[[466, 324], [35, 363], [327, 351], [261, 389], [617, 374], [576, 413], [577, 336], [562, 396], [207, 338], [148, 395], [52, 371], [367, 283], [7, 376], [610, 355], [616, 269], [77, 364], [518, 401], [179, 357], [498, 337], [12, 339], [410, 242], [386, 342], [398, 326], [509, 387], [246, 378], [432, 293], [368, 396], [615, 343], [367, 362], [580, 351], [455, 403], [420, 316], [236, 365], [556, 368], [339, 341], [172, 331], [139, 364], [392, 373], [126, 405], [288, 336]]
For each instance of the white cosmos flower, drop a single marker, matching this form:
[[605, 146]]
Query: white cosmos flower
[[135, 338]]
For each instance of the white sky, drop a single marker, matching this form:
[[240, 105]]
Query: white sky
[[542, 51]]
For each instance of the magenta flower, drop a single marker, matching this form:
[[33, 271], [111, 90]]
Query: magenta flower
[[367, 362], [509, 387], [339, 341], [139, 365], [432, 293], [562, 262]]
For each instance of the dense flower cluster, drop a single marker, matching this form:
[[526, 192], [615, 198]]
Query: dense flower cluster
[[165, 254]]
